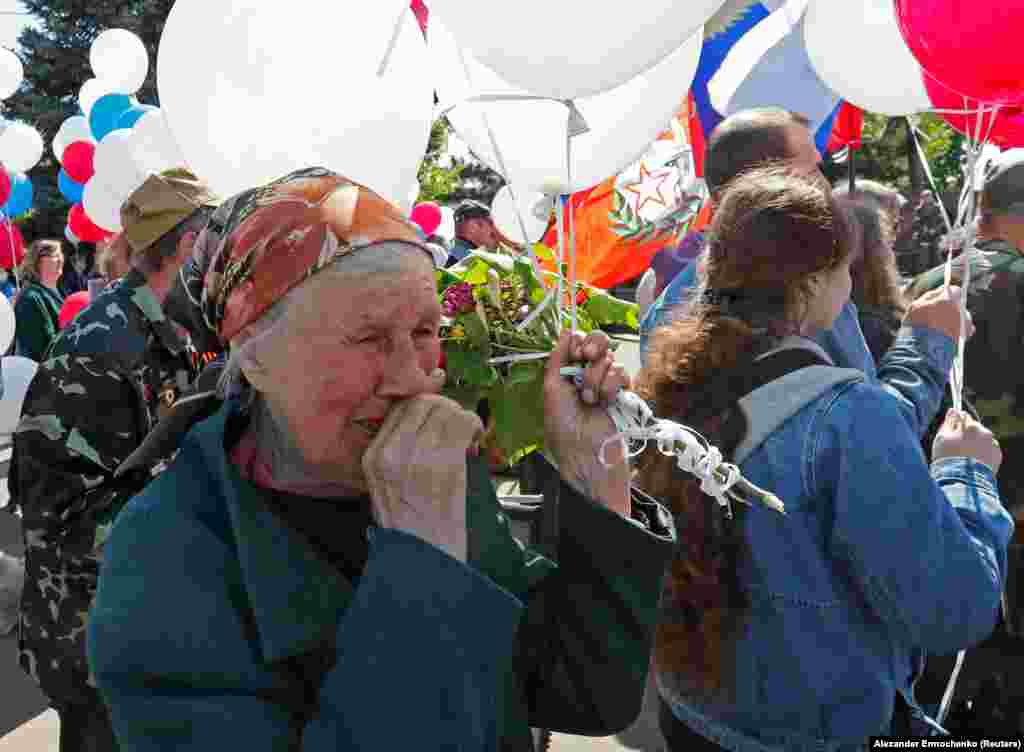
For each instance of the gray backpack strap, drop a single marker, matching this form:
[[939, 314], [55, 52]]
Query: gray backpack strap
[[772, 404]]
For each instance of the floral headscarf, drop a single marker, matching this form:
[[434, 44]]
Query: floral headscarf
[[270, 239]]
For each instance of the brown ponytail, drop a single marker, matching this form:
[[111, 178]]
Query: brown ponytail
[[772, 231]]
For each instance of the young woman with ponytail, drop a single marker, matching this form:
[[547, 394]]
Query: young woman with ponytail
[[805, 631]]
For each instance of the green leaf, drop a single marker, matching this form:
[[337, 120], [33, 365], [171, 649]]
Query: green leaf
[[475, 271], [533, 286], [518, 411], [468, 368], [543, 253], [477, 333], [524, 373], [499, 261], [605, 309]]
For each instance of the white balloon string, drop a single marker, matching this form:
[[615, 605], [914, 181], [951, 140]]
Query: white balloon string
[[399, 23], [637, 426], [561, 261], [500, 159], [923, 159], [14, 256], [572, 217], [536, 312]]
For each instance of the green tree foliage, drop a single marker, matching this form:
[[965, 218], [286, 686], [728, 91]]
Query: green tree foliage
[[56, 58], [439, 175], [889, 155]]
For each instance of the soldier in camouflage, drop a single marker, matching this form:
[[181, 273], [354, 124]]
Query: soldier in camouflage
[[107, 379], [994, 379]]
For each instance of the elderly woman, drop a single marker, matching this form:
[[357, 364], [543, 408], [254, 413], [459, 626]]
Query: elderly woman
[[325, 564], [38, 306]]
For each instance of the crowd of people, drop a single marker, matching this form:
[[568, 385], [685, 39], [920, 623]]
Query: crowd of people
[[251, 519]]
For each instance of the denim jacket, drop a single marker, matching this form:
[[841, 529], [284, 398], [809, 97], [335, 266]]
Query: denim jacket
[[877, 561]]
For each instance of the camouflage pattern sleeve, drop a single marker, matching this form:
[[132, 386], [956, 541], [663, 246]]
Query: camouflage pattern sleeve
[[81, 418]]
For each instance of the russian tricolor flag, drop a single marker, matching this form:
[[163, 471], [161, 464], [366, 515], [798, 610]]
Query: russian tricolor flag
[[754, 56]]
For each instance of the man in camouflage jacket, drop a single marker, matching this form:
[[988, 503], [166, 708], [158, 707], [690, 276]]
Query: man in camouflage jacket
[[105, 383], [993, 376]]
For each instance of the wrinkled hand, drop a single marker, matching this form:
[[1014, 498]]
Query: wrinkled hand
[[962, 436], [576, 423], [416, 470], [939, 309]]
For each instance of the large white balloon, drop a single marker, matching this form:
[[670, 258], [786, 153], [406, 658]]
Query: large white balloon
[[572, 48], [103, 205], [90, 93], [277, 89], [75, 128], [533, 207], [857, 50], [119, 58], [531, 135], [12, 73], [17, 373], [21, 147]]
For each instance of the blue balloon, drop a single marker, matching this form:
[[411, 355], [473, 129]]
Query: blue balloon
[[21, 196], [132, 115], [69, 189], [106, 114]]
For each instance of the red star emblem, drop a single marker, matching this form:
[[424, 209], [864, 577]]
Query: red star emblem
[[648, 187]]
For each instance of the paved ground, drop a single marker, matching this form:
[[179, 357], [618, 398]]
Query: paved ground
[[27, 726]]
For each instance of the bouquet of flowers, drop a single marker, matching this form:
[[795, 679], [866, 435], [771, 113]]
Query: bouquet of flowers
[[500, 323]]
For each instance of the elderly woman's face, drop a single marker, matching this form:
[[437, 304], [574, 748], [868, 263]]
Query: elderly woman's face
[[354, 347]]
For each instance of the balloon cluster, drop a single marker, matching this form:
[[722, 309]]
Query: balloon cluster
[[956, 57], [21, 148], [108, 149]]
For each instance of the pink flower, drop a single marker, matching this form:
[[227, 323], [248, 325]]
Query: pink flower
[[458, 298]]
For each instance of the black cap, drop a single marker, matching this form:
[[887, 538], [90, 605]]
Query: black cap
[[471, 210], [1004, 188]]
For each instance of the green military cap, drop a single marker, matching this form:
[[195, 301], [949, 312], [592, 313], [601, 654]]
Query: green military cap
[[1004, 189], [162, 203]]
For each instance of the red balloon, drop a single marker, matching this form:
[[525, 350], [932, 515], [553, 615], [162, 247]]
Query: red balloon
[[427, 215], [5, 186], [73, 305], [83, 227], [971, 46], [12, 245], [1007, 131], [78, 161]]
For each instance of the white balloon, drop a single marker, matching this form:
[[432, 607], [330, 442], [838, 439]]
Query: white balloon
[[154, 144], [90, 93], [572, 48], [447, 227], [12, 73], [119, 58], [102, 205], [857, 50], [254, 107], [531, 135], [75, 128], [114, 163], [21, 147], [17, 373], [530, 208]]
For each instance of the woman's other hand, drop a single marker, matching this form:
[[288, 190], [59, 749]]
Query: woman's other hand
[[576, 422], [939, 309], [416, 470], [962, 436]]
